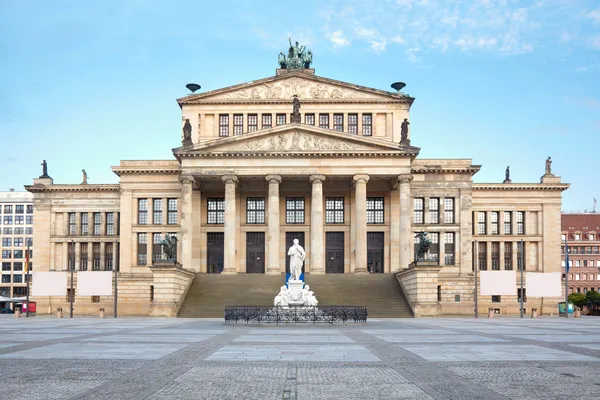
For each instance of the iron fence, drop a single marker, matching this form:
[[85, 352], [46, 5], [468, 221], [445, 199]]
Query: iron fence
[[294, 314]]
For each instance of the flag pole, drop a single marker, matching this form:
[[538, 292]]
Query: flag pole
[[27, 278]]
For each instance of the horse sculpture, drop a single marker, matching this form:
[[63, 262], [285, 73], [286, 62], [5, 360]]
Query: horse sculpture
[[424, 245], [169, 246]]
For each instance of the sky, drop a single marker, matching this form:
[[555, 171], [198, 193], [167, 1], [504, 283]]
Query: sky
[[85, 84]]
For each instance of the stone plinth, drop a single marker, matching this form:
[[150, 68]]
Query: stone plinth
[[419, 284], [171, 284], [550, 178], [295, 288]]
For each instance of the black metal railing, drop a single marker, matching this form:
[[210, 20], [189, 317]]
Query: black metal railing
[[293, 314]]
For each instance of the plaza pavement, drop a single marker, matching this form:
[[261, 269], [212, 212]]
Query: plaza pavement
[[445, 358]]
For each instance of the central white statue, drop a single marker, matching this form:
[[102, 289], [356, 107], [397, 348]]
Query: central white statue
[[297, 256]]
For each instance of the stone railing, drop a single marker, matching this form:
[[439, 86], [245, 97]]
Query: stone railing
[[419, 284], [171, 284]]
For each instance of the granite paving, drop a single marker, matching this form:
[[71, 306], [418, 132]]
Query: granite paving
[[159, 358]]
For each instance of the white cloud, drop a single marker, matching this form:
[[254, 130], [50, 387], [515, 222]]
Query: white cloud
[[594, 42], [594, 15], [397, 39], [378, 45], [412, 54], [338, 39], [366, 33]]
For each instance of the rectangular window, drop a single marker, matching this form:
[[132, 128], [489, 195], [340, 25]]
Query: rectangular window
[[223, 125], [6, 242], [524, 295], [520, 223], [434, 210], [142, 211], [18, 266], [508, 265], [252, 122], [367, 127], [108, 256], [72, 224], [294, 210], [97, 224], [29, 209], [172, 211], [507, 223], [521, 250], [142, 249], [353, 124], [309, 119], [577, 236], [418, 210], [324, 121], [18, 278], [95, 256], [481, 223], [496, 299], [338, 122], [5, 278], [18, 242], [83, 257], [6, 254], [6, 266], [255, 210], [19, 219], [449, 210], [375, 210], [110, 223], [8, 209], [85, 227], [482, 256], [280, 119], [156, 247], [238, 124], [494, 221], [496, 256], [19, 209], [434, 249], [7, 231], [334, 210], [95, 299], [216, 210], [8, 220], [267, 121], [157, 211]]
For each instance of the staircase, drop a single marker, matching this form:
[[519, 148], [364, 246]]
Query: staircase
[[210, 293]]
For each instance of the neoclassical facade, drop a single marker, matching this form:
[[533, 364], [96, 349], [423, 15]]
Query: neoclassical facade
[[341, 174]]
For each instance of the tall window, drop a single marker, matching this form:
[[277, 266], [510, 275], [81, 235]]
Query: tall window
[[294, 210], [71, 256], [85, 224], [481, 223], [280, 119], [96, 257], [334, 210], [508, 264], [108, 256], [72, 224], [8, 220], [255, 210], [18, 242], [19, 209], [156, 247], [29, 219], [19, 219], [216, 210], [434, 210], [267, 121], [507, 223], [418, 210], [449, 210], [338, 122], [83, 257], [324, 121], [494, 221], [434, 249], [110, 223], [97, 223], [142, 211], [482, 256], [449, 248], [238, 124], [6, 242], [252, 122], [8, 209], [309, 119], [375, 210], [520, 223], [367, 127], [142, 250], [223, 125], [172, 211], [157, 211], [496, 256], [521, 260], [353, 124], [29, 209]]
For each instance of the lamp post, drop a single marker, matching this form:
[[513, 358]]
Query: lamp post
[[116, 269], [27, 277], [72, 268], [522, 268], [476, 268]]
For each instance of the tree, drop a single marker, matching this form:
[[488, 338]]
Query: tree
[[592, 298], [578, 299]]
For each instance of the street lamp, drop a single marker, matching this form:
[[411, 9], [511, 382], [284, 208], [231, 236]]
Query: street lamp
[[72, 268]]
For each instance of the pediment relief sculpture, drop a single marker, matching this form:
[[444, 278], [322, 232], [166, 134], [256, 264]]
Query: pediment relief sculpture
[[293, 142]]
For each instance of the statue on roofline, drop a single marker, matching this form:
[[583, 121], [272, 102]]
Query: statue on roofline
[[298, 57]]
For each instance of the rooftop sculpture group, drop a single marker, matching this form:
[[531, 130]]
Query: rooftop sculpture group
[[298, 57]]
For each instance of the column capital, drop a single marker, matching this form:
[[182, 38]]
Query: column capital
[[361, 178], [273, 178], [186, 179], [405, 178], [317, 178], [229, 179]]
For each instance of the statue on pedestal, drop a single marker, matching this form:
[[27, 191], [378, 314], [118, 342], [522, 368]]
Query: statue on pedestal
[[85, 176], [549, 166], [404, 131], [507, 175], [297, 256], [44, 170], [187, 133], [424, 246]]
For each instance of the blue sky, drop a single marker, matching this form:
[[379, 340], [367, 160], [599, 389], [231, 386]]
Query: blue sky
[[85, 84]]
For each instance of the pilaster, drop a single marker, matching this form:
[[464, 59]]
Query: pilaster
[[229, 257], [360, 189], [273, 267], [187, 183], [406, 239]]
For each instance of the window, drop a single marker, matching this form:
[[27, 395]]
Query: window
[[255, 210], [172, 211], [577, 236], [267, 121], [508, 265], [8, 219], [19, 219], [595, 249], [592, 236], [588, 250], [577, 278], [216, 210], [338, 122], [18, 242], [95, 299], [294, 210], [8, 209], [223, 125], [83, 257], [334, 210], [72, 224], [520, 251], [324, 121], [110, 223], [481, 222], [142, 251], [18, 278], [18, 266], [280, 119], [238, 124], [142, 211], [496, 256], [309, 119], [457, 298], [157, 211], [19, 209], [28, 231], [439, 293], [5, 278], [563, 237], [97, 223], [18, 291], [96, 256], [85, 224], [494, 220], [156, 247], [6, 254], [449, 210], [7, 231], [418, 212], [108, 256], [585, 263], [252, 122], [367, 127], [577, 263], [29, 209], [375, 210], [353, 124], [6, 266], [434, 210], [434, 249], [482, 256], [6, 242], [507, 223], [496, 299], [521, 223]]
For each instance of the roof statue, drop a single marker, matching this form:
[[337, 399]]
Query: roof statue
[[298, 57]]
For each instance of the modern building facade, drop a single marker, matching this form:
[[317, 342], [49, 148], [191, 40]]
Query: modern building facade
[[580, 232], [339, 171]]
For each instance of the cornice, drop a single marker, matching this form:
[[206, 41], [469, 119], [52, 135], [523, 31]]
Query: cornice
[[472, 170], [521, 186], [145, 171], [72, 188], [254, 154]]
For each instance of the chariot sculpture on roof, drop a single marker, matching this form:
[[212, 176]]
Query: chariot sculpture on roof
[[298, 57]]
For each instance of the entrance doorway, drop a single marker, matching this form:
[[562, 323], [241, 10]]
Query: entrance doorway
[[289, 241], [214, 252], [255, 252], [334, 252], [375, 247]]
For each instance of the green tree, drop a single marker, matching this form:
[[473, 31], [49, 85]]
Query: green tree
[[592, 297], [578, 299]]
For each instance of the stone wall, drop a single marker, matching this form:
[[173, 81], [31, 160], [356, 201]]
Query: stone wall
[[171, 283], [419, 284]]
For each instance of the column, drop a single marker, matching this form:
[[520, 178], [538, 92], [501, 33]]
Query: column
[[273, 267], [360, 245], [187, 181], [394, 230], [78, 223], [317, 252], [442, 244], [77, 256], [229, 258], [406, 237]]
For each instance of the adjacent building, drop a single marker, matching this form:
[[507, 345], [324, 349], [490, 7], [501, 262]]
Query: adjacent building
[[580, 232]]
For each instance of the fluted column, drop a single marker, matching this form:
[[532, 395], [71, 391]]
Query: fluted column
[[273, 267], [187, 182], [317, 251], [360, 246], [229, 258], [406, 237]]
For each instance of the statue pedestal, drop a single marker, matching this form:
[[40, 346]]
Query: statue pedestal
[[295, 289], [507, 181], [551, 178]]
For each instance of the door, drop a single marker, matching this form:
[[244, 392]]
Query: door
[[334, 252], [214, 252], [289, 241], [255, 252], [375, 252]]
